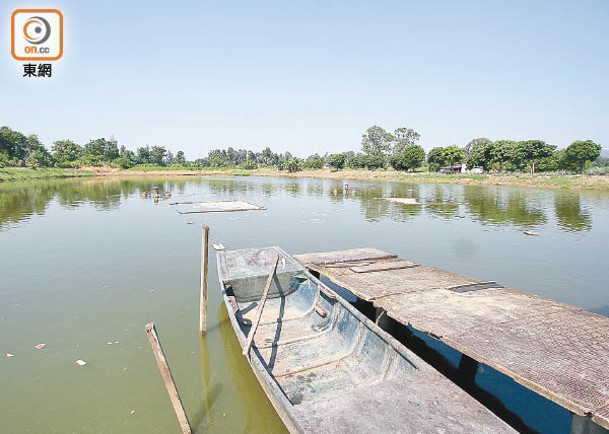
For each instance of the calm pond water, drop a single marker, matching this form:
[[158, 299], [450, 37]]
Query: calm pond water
[[85, 264]]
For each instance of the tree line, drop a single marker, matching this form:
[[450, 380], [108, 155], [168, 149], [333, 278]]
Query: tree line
[[380, 149]]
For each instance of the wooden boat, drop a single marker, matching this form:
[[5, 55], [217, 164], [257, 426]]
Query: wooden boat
[[325, 367]]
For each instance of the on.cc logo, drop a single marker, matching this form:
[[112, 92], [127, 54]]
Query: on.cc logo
[[36, 30]]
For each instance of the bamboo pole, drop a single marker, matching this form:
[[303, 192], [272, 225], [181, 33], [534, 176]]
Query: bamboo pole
[[170, 385], [250, 337], [203, 303]]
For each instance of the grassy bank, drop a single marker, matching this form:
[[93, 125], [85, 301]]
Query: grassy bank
[[555, 181], [28, 174], [543, 180]]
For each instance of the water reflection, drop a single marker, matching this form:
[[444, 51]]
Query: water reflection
[[21, 201], [224, 186], [520, 208], [443, 202], [248, 389], [402, 212], [501, 207], [569, 213], [372, 205]]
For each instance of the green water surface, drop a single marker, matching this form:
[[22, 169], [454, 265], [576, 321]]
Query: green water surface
[[85, 264]]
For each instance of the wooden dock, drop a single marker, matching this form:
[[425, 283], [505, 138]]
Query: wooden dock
[[558, 351]]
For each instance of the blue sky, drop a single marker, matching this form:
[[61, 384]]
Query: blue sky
[[312, 76]]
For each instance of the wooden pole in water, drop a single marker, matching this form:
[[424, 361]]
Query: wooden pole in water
[[170, 385], [203, 304], [250, 337]]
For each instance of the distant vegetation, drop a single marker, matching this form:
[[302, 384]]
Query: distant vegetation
[[380, 149]]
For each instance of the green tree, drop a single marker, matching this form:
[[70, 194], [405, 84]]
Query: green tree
[[504, 151], [481, 156], [217, 158], [100, 151], [373, 162], [478, 152], [267, 157], [554, 162], [313, 162], [336, 161], [452, 155], [126, 158], [37, 154], [180, 159], [582, 151], [403, 138], [14, 145], [377, 142], [435, 159], [143, 155], [294, 164], [410, 158], [67, 153], [283, 160], [532, 151], [249, 165], [158, 155]]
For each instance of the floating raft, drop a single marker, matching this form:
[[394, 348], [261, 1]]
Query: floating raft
[[404, 200], [558, 351], [223, 206]]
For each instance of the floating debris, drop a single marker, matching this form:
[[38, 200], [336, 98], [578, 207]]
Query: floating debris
[[108, 343], [190, 222], [40, 346], [223, 206], [404, 200], [217, 246], [534, 233], [132, 411], [10, 355], [80, 362]]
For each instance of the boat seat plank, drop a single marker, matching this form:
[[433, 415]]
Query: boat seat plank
[[298, 355], [338, 377]]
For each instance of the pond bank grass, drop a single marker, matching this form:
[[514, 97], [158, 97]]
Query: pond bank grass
[[28, 174], [539, 180]]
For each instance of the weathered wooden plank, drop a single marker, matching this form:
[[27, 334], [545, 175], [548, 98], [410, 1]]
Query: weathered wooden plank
[[352, 255], [383, 266], [204, 265], [556, 350], [170, 385], [265, 293], [370, 286], [601, 416], [416, 408]]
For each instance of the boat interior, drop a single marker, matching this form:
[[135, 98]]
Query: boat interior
[[310, 341]]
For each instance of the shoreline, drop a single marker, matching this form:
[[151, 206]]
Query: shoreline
[[542, 180]]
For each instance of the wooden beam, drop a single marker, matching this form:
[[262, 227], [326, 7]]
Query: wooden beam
[[203, 302], [250, 337], [170, 385]]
